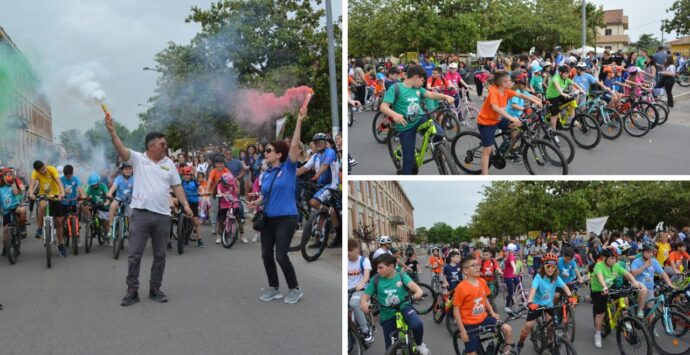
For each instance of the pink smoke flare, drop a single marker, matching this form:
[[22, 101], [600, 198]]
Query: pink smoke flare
[[256, 107]]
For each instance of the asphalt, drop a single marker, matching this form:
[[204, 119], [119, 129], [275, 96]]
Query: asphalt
[[213, 308], [663, 151]]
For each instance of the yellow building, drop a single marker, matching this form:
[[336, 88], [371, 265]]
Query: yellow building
[[27, 128], [680, 45], [613, 36]]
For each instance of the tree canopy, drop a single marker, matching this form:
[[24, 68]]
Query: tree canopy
[[681, 18]]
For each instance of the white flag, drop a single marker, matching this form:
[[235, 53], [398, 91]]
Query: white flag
[[487, 49], [280, 127], [596, 225]]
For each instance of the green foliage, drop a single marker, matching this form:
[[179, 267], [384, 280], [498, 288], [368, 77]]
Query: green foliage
[[440, 232], [681, 18], [646, 42]]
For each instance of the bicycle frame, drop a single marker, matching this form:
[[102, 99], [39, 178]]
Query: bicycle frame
[[72, 216]]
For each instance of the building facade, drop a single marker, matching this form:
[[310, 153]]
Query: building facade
[[383, 205], [614, 35], [25, 116], [680, 45]]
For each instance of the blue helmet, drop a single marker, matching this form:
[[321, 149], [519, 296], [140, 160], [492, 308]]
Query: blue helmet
[[94, 178]]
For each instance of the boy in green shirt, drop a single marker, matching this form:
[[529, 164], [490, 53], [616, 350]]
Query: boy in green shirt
[[407, 113], [97, 192], [605, 272], [390, 288], [555, 92]]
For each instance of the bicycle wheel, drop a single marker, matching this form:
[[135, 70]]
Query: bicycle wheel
[[671, 333], [12, 248], [426, 303], [614, 127], [471, 114], [439, 309], [117, 231], [99, 233], [538, 337], [570, 325], [88, 238], [380, 126], [229, 234], [451, 324], [74, 236], [400, 347], [450, 125], [650, 111], [466, 150], [445, 161], [563, 143], [354, 345], [565, 347], [585, 131], [683, 80], [636, 123], [296, 240], [543, 158], [181, 233], [313, 237], [350, 116], [47, 242], [394, 148], [458, 344], [632, 337], [663, 112]]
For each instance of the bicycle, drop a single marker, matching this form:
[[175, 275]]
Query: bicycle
[[436, 282], [94, 228], [542, 130], [467, 151], [49, 234], [443, 305], [438, 146], [355, 335], [231, 226], [608, 118], [683, 76], [71, 228], [404, 342], [551, 330], [661, 106], [14, 242], [640, 123], [580, 124], [303, 210], [629, 330], [120, 227], [316, 232], [466, 112], [519, 294], [490, 333]]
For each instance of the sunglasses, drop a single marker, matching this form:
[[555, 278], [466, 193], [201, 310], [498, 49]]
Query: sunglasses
[[548, 266], [269, 150]]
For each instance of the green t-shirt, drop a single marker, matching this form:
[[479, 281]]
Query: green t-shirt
[[536, 83], [609, 274], [551, 91], [390, 292], [640, 62], [98, 194], [408, 104]]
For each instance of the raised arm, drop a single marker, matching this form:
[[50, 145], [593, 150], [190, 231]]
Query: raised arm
[[296, 137], [122, 151]]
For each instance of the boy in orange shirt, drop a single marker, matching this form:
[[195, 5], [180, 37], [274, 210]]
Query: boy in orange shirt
[[472, 309], [674, 264], [493, 114]]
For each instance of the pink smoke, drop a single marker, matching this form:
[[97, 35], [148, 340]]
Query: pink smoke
[[256, 107]]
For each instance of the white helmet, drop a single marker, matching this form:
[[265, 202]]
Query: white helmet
[[512, 247], [384, 239], [60, 169], [453, 65]]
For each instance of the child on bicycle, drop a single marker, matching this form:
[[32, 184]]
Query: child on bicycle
[[605, 272], [391, 289], [568, 269], [489, 268], [413, 267], [10, 201], [123, 185], [542, 294], [555, 93], [472, 309], [358, 273], [403, 103], [435, 263], [644, 268], [674, 264], [452, 274], [493, 114], [229, 189], [192, 189], [97, 193], [516, 105]]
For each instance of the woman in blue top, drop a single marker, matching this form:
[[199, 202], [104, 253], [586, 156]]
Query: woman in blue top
[[280, 211]]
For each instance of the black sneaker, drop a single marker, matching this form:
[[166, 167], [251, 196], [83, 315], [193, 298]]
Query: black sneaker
[[4, 252], [169, 246], [62, 250], [157, 295], [130, 298], [337, 243]]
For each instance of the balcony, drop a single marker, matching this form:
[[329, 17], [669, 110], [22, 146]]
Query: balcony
[[396, 220]]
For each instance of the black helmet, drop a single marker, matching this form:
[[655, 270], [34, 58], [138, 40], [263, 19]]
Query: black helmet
[[218, 159], [125, 165], [609, 251], [319, 137], [563, 68], [648, 246]]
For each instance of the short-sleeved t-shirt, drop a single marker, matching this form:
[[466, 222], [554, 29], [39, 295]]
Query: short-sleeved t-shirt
[[646, 277], [508, 271], [224, 189], [663, 250], [487, 115], [472, 301], [517, 101], [536, 83], [355, 271], [124, 188], [47, 183], [8, 200], [152, 186], [98, 194], [545, 290], [452, 275], [677, 258], [214, 175], [191, 190], [281, 201], [439, 261], [551, 91], [609, 273], [412, 264], [567, 270], [409, 104], [488, 269], [327, 157], [71, 190], [235, 166], [390, 292], [585, 80]]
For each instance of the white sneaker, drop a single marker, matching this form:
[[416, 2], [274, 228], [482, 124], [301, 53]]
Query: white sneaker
[[256, 238], [218, 240], [422, 349], [244, 240], [79, 244], [508, 310], [597, 341]]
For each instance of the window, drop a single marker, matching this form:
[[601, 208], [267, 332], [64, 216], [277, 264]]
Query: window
[[375, 197], [607, 47], [358, 189], [608, 32]]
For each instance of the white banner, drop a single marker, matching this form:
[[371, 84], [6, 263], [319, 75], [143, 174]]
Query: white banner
[[596, 225], [280, 127], [487, 49]]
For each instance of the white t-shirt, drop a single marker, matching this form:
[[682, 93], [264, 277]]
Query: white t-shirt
[[355, 272], [381, 251], [671, 69], [202, 167], [153, 182]]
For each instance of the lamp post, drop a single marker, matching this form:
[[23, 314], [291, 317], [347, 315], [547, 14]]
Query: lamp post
[[156, 69]]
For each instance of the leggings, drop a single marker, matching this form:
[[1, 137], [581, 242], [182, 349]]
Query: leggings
[[413, 322], [276, 235], [667, 83], [480, 86], [511, 282]]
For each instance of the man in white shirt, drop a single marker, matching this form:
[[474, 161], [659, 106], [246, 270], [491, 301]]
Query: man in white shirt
[[156, 174]]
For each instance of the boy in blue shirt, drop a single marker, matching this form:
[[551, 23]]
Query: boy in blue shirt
[[123, 185], [451, 272], [73, 192], [9, 201], [191, 190], [644, 268]]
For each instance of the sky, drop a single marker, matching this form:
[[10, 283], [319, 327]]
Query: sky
[[644, 16], [443, 201], [112, 39]]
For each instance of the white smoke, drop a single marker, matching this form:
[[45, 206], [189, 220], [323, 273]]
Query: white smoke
[[81, 82]]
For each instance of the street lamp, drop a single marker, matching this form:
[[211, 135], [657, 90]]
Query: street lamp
[[153, 69]]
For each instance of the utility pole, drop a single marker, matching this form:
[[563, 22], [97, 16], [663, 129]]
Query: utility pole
[[584, 27], [335, 118]]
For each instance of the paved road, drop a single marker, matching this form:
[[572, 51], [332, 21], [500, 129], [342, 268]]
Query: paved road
[[440, 342], [655, 153], [74, 308]]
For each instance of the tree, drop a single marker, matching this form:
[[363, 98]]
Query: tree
[[440, 232], [646, 42], [421, 235], [681, 18]]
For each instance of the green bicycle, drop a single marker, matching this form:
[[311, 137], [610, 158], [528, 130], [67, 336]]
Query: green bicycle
[[404, 343], [440, 151], [631, 335]]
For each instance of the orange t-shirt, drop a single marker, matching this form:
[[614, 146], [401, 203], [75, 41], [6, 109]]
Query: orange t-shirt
[[677, 256], [214, 176], [439, 260], [472, 301], [487, 115]]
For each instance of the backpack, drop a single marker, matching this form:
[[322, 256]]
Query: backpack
[[376, 282], [361, 264], [396, 88]]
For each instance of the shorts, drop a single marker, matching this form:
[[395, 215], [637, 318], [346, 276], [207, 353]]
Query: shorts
[[473, 344], [105, 215], [599, 301], [194, 206], [63, 210], [556, 104], [6, 217], [56, 209], [487, 134], [322, 195], [650, 296], [606, 97], [533, 315]]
